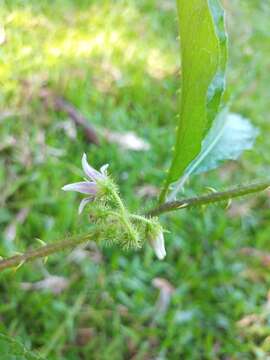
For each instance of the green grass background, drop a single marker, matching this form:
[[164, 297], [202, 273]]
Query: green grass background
[[118, 63]]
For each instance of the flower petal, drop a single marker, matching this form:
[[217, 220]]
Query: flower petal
[[84, 187], [103, 169], [92, 173], [83, 203], [159, 246]]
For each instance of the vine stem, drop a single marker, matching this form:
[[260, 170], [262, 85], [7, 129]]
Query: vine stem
[[209, 198], [43, 251]]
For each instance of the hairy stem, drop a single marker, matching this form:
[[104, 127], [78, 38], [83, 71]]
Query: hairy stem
[[125, 217], [43, 251], [209, 198]]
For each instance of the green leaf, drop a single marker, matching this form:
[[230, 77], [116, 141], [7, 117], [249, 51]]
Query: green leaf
[[203, 58], [230, 135], [11, 349]]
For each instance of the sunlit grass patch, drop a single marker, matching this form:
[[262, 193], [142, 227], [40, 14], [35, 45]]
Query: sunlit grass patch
[[38, 44]]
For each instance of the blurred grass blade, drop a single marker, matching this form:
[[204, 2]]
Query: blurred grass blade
[[203, 58], [12, 349], [230, 135]]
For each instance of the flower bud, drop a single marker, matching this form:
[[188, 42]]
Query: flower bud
[[158, 245]]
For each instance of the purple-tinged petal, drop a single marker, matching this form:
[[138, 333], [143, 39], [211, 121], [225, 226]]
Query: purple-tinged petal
[[84, 187], [103, 169], [83, 203], [92, 173]]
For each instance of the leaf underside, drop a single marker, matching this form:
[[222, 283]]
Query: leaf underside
[[230, 135]]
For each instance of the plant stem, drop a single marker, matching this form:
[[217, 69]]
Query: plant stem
[[125, 217], [209, 198], [140, 218], [43, 251]]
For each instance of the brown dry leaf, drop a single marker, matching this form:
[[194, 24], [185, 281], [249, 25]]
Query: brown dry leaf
[[84, 336], [257, 326], [123, 310], [147, 191], [52, 283], [128, 140], [238, 209], [91, 252], [253, 275], [262, 256], [11, 229], [249, 320], [165, 293]]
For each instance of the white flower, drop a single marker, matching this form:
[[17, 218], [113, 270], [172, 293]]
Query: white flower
[[158, 245], [90, 186]]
